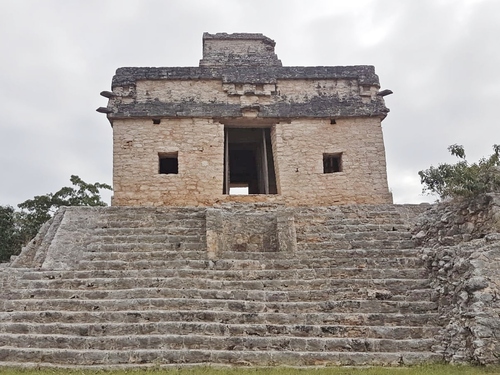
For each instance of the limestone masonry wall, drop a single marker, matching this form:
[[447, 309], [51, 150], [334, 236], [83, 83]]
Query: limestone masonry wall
[[199, 144], [298, 155]]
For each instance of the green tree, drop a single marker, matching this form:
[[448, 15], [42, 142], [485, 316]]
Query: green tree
[[9, 234], [17, 228], [36, 211], [463, 179]]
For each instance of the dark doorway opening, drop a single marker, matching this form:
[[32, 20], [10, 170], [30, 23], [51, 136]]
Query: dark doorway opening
[[248, 161]]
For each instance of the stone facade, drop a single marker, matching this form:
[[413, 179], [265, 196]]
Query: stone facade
[[292, 135]]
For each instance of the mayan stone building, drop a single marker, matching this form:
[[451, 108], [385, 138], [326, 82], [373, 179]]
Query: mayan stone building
[[188, 136], [303, 279]]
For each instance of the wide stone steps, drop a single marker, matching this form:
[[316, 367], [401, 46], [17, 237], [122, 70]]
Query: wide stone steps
[[219, 329], [382, 306], [227, 263], [244, 294], [143, 289], [151, 213], [359, 271], [344, 241], [352, 235], [196, 341], [199, 252], [120, 358], [160, 269], [353, 254], [188, 249], [165, 229], [430, 319], [346, 226], [386, 221], [149, 239], [130, 281], [137, 225], [354, 244], [347, 237]]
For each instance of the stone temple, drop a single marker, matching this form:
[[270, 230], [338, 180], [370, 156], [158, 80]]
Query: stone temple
[[311, 266], [188, 136]]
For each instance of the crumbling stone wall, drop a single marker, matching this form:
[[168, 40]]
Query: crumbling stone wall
[[461, 247]]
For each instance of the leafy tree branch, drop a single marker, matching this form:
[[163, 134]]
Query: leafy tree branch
[[17, 228], [463, 179]]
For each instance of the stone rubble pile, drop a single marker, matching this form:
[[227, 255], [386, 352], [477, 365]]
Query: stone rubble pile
[[461, 248]]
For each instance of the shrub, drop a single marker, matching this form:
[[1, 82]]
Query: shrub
[[463, 179]]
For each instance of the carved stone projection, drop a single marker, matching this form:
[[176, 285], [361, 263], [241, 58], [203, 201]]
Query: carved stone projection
[[243, 128]]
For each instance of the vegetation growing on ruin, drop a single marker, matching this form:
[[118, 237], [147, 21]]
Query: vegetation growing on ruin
[[18, 227], [463, 179]]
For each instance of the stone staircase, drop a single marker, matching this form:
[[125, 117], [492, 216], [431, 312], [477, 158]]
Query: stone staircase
[[136, 287]]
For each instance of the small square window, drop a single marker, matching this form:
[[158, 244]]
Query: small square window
[[332, 163], [168, 163]]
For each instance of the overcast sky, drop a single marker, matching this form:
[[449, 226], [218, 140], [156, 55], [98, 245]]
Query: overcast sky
[[440, 57]]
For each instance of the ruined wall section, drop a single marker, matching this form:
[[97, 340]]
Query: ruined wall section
[[461, 248], [238, 49]]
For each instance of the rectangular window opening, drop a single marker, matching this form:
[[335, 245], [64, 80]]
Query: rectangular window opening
[[332, 163], [168, 163]]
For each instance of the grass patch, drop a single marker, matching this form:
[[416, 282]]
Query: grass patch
[[416, 370]]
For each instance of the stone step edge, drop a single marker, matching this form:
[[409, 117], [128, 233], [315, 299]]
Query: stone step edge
[[201, 290], [208, 323], [193, 316], [198, 337], [264, 256], [333, 359], [268, 350], [359, 265], [232, 271], [227, 283], [401, 299], [286, 256], [214, 312], [77, 304]]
